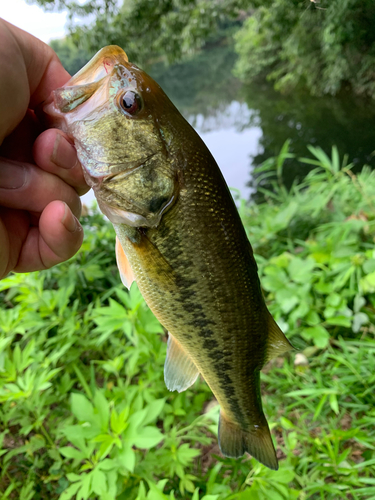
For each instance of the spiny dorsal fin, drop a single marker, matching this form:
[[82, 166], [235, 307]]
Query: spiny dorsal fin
[[277, 342], [180, 371], [126, 273], [234, 441]]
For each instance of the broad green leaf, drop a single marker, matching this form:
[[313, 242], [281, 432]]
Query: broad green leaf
[[102, 406], [283, 475], [99, 483], [153, 410], [70, 491], [300, 270], [127, 458], [148, 437], [318, 334], [69, 452], [81, 407]]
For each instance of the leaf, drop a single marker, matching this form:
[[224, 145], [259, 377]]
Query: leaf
[[70, 452], [367, 283], [73, 477], [107, 464], [84, 492], [127, 458], [148, 437], [286, 300], [300, 270], [70, 491], [286, 424], [318, 334], [99, 483], [283, 475], [102, 406], [369, 266], [81, 407], [359, 319], [333, 403], [141, 491], [339, 320], [153, 410]]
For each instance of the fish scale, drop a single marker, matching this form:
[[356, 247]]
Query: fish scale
[[180, 238]]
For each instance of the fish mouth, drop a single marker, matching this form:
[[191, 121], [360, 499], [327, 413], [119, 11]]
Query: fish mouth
[[99, 66]]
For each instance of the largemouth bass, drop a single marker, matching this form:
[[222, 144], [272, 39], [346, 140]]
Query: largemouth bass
[[179, 236]]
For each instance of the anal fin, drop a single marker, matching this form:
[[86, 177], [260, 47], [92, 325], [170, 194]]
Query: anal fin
[[180, 371], [277, 342], [234, 441], [126, 273]]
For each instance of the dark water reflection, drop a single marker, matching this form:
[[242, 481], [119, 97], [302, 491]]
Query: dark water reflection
[[243, 126]]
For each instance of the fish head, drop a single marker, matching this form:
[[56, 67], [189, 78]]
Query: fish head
[[117, 115]]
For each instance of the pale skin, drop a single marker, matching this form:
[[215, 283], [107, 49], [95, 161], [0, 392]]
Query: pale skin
[[40, 176]]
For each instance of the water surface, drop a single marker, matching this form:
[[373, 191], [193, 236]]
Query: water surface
[[244, 125]]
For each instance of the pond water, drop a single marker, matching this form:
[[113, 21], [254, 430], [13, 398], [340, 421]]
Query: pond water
[[244, 125]]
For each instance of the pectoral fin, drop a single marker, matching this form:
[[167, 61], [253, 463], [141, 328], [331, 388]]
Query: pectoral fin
[[277, 342], [180, 371], [126, 273]]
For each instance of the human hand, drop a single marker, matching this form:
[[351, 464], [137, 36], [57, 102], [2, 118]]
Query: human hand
[[40, 176]]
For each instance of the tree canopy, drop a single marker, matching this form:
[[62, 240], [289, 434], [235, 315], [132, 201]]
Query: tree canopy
[[323, 47], [146, 29]]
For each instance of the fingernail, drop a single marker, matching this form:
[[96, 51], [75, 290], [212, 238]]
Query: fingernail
[[63, 155], [12, 175], [69, 221]]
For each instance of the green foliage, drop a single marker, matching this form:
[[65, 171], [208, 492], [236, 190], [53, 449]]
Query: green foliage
[[322, 47], [315, 247], [201, 85], [146, 28], [71, 57], [84, 410]]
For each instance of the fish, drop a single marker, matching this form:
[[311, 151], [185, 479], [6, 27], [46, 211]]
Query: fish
[[179, 236]]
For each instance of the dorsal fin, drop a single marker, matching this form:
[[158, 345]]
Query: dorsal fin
[[126, 273], [180, 371], [277, 342]]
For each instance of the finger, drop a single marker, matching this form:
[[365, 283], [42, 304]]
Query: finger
[[19, 144], [24, 186], [29, 71], [57, 239], [43, 68], [14, 226], [54, 153]]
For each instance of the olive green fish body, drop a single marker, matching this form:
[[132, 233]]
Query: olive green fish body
[[183, 238]]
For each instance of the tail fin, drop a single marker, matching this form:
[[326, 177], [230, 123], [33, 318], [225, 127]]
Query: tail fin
[[235, 441]]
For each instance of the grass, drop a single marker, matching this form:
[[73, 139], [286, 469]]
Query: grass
[[84, 410]]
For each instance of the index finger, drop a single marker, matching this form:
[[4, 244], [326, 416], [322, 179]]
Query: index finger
[[44, 69], [29, 71]]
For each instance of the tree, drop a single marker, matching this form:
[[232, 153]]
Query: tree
[[323, 47], [146, 29], [73, 58]]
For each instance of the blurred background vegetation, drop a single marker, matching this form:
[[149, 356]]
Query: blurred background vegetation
[[324, 47], [84, 410]]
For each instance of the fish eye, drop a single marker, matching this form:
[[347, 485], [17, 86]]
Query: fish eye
[[131, 102]]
